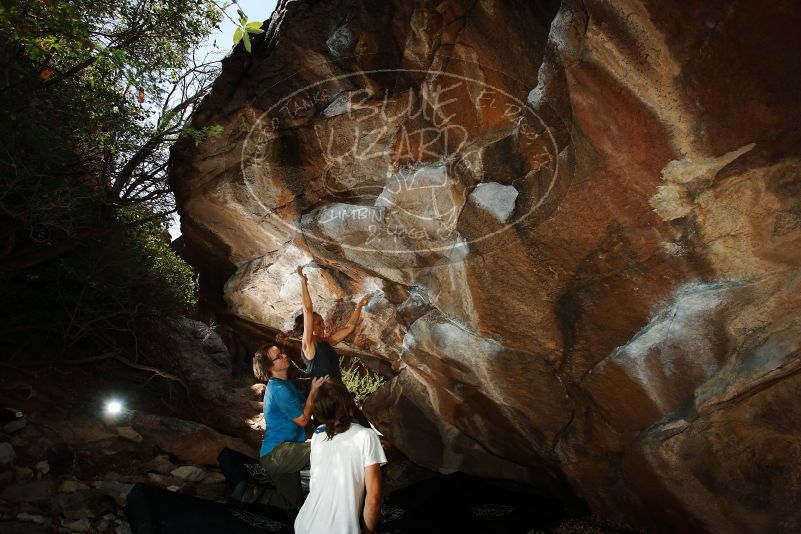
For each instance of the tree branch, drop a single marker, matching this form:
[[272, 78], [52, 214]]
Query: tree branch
[[133, 365], [92, 59]]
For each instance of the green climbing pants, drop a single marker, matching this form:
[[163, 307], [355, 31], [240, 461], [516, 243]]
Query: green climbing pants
[[284, 464]]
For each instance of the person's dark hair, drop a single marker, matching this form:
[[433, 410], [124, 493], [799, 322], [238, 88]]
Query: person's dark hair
[[297, 328], [334, 407], [262, 364]]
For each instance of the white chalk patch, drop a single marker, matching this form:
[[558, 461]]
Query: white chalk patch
[[497, 199]]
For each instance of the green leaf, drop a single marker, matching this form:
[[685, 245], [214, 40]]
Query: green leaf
[[247, 41], [238, 35], [253, 25]]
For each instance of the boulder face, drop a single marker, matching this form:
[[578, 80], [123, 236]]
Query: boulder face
[[580, 226]]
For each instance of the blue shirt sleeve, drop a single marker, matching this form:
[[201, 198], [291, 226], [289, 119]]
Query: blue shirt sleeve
[[289, 402]]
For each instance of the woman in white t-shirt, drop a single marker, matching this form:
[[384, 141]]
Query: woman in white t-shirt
[[346, 459]]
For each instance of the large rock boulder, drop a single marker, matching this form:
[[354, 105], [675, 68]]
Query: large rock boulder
[[195, 354], [187, 440], [579, 224]]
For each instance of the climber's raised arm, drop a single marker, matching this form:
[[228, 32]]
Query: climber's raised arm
[[307, 341], [350, 326]]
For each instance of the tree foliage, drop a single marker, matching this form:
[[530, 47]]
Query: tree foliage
[[92, 95], [245, 28]]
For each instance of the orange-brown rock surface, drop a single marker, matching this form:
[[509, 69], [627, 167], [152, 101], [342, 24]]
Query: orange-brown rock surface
[[580, 225]]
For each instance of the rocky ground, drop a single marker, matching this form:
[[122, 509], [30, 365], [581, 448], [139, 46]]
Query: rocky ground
[[67, 466], [73, 475], [71, 472]]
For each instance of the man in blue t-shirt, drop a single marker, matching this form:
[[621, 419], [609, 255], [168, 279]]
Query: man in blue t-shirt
[[284, 450]]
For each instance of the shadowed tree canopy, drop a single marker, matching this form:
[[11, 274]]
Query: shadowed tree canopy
[[92, 94]]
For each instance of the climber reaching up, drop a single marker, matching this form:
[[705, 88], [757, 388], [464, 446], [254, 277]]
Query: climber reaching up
[[317, 350]]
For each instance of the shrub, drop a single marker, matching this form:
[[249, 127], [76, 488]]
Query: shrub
[[360, 380]]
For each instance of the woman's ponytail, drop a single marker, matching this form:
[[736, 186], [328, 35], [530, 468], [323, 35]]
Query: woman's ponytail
[[334, 407]]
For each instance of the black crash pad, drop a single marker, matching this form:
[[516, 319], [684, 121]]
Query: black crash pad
[[152, 510]]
